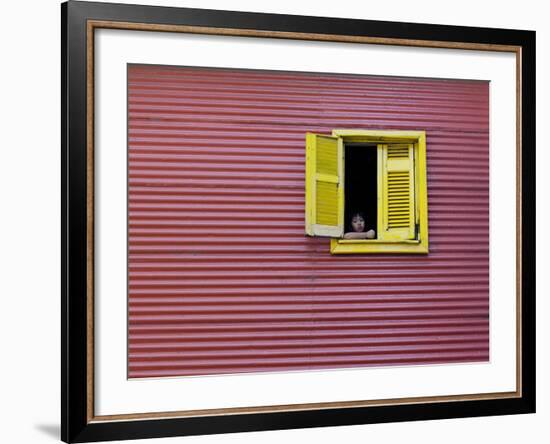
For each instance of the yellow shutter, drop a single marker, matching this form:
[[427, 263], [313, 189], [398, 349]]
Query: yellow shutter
[[398, 206], [324, 186]]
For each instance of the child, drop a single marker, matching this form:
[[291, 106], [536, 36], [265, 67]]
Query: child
[[358, 228]]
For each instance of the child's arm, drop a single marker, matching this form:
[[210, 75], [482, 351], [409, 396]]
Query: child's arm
[[368, 235], [353, 235]]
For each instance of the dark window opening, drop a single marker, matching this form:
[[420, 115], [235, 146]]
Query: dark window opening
[[361, 185]]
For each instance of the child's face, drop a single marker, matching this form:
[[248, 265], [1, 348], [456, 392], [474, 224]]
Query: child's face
[[358, 224]]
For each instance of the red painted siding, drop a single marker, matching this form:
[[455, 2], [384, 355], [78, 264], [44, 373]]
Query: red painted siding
[[222, 278]]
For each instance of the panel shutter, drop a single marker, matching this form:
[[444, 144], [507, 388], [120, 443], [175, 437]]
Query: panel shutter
[[324, 196]]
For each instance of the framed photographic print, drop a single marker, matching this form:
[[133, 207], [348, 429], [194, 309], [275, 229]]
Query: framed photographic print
[[275, 221]]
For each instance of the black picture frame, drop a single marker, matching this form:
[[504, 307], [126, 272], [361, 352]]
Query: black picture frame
[[77, 423]]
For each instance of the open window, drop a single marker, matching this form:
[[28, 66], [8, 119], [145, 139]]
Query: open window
[[379, 174]]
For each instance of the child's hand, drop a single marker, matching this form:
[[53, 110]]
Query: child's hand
[[371, 234]]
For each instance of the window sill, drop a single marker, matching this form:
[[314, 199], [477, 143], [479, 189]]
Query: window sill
[[361, 246]]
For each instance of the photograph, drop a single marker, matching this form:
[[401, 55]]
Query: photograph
[[245, 185]]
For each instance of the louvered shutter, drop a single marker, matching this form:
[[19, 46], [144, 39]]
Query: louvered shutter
[[398, 215], [324, 195]]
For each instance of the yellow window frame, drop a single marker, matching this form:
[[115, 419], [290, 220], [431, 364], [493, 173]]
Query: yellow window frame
[[382, 138]]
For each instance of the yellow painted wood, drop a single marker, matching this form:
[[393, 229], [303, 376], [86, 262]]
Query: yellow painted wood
[[327, 178], [379, 187], [422, 191], [402, 225], [341, 188], [341, 246], [379, 136], [398, 192], [405, 192], [324, 194]]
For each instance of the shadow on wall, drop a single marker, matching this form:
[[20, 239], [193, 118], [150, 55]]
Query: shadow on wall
[[51, 430]]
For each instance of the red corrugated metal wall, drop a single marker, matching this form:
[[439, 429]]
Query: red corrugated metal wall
[[222, 278]]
